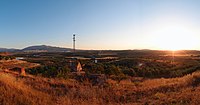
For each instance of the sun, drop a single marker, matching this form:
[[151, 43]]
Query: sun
[[173, 36]]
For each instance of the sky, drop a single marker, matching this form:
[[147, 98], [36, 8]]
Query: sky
[[101, 24]]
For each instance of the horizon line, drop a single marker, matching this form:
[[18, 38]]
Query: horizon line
[[99, 49]]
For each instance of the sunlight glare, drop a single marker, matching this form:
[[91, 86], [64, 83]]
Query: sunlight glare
[[173, 36]]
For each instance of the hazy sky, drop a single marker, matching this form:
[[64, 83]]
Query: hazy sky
[[101, 24]]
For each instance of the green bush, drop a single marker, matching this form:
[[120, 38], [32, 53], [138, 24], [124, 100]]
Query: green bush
[[112, 70], [50, 71]]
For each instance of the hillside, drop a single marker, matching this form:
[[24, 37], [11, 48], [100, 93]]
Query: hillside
[[31, 90], [44, 48]]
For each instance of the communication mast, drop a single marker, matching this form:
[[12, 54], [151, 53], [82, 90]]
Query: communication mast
[[74, 40], [74, 63], [73, 59]]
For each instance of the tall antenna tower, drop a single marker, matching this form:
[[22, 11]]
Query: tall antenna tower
[[74, 40]]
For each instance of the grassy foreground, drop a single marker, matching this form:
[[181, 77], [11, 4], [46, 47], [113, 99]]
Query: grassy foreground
[[42, 91]]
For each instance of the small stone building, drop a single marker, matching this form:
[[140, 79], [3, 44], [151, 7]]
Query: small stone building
[[75, 65]]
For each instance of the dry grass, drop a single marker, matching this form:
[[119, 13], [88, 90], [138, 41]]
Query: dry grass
[[9, 64], [43, 91], [14, 91]]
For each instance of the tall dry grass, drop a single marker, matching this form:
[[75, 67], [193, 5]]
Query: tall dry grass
[[15, 92], [42, 91]]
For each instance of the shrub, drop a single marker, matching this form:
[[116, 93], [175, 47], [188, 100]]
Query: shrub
[[112, 70], [50, 71], [129, 72]]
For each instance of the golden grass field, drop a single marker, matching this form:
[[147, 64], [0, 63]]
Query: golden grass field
[[16, 90]]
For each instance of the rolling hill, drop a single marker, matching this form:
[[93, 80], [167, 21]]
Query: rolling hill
[[37, 48], [44, 48]]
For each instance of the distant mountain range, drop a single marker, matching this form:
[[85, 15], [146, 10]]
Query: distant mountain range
[[8, 50], [39, 48]]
